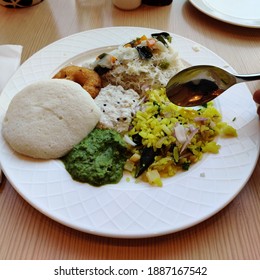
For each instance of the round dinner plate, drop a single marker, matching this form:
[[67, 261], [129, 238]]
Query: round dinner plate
[[130, 209], [237, 12]]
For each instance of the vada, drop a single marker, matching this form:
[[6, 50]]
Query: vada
[[87, 78]]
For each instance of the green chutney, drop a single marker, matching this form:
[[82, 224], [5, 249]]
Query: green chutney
[[98, 159]]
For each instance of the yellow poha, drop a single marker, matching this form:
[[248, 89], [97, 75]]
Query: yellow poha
[[179, 136]]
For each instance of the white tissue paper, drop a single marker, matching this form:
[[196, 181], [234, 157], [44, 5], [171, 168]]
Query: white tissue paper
[[10, 58]]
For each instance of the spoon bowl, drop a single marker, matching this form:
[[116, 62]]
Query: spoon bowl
[[197, 85]]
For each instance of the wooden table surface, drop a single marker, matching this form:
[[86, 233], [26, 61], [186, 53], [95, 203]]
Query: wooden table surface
[[233, 233]]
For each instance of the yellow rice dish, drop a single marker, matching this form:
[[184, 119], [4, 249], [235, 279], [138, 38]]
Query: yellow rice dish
[[169, 138]]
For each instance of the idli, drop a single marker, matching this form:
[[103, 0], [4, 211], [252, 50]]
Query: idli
[[47, 118]]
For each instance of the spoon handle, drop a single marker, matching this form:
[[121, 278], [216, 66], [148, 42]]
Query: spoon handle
[[247, 78]]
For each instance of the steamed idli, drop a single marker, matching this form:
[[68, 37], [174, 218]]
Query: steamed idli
[[46, 119]]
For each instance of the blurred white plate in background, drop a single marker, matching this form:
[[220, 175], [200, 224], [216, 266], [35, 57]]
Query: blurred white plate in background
[[238, 12]]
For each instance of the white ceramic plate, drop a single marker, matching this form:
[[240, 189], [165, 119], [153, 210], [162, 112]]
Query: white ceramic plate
[[237, 12], [129, 209]]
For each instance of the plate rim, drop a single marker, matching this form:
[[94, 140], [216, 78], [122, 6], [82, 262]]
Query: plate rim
[[204, 8]]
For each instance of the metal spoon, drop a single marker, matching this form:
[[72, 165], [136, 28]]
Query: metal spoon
[[200, 84]]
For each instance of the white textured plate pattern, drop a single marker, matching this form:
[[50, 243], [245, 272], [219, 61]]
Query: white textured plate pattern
[[237, 12], [128, 209]]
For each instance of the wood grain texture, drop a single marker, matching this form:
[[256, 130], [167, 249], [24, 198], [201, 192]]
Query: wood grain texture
[[233, 233]]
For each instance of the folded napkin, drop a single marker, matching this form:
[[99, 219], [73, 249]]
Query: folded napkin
[[10, 58]]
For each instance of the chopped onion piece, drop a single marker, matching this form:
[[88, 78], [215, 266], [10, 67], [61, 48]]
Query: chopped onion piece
[[188, 140], [129, 141], [180, 133]]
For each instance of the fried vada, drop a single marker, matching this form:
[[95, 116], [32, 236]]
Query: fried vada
[[87, 78], [47, 118]]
